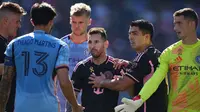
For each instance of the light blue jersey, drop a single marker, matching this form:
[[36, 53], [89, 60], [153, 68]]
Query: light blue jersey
[[78, 52], [36, 56]]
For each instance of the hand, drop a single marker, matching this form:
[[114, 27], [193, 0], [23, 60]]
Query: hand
[[97, 80], [124, 108], [118, 63], [129, 105], [79, 108]]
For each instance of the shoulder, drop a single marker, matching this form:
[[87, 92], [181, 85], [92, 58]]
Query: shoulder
[[174, 48], [55, 39], [83, 63], [22, 38], [111, 59], [152, 52], [66, 38], [86, 61]]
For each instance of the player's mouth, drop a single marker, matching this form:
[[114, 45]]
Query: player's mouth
[[93, 50], [132, 43], [178, 33]]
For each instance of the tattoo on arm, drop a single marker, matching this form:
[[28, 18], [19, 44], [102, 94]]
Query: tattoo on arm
[[5, 86]]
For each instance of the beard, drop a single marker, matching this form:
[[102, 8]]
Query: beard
[[95, 55], [180, 37]]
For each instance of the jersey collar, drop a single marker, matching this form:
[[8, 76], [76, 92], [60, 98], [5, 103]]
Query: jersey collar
[[4, 39], [39, 31]]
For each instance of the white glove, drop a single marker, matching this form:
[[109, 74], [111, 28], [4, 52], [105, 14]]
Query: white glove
[[123, 108], [129, 105]]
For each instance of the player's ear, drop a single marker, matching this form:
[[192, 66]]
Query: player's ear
[[106, 43], [193, 24], [147, 37], [31, 20], [70, 20], [5, 20], [90, 21], [51, 22]]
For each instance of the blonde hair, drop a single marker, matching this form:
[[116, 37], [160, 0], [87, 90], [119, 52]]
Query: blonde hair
[[80, 9], [12, 7]]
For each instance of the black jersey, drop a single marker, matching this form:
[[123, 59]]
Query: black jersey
[[10, 103], [140, 70], [3, 45], [95, 99]]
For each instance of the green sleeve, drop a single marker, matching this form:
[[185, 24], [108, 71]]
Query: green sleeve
[[153, 83]]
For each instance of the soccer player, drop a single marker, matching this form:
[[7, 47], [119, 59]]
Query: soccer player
[[139, 70], [77, 41], [96, 99], [182, 60], [10, 18], [35, 57]]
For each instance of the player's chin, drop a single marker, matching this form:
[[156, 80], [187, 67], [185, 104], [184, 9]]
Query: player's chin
[[94, 55], [78, 33]]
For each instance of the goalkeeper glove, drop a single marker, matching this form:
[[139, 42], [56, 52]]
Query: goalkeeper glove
[[130, 105]]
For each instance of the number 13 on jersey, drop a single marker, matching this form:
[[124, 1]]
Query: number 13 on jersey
[[39, 62]]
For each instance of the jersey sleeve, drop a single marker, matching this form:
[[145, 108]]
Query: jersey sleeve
[[63, 57], [153, 83], [8, 61], [77, 77], [137, 70]]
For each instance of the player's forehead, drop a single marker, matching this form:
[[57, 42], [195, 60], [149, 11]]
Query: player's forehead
[[179, 18], [133, 29], [79, 18], [95, 37]]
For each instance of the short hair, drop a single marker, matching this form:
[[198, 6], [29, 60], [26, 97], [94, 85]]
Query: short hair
[[98, 30], [12, 7], [189, 14], [145, 26], [42, 13], [80, 9]]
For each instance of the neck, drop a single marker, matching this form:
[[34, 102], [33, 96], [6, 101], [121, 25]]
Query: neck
[[41, 27], [78, 39], [143, 48], [99, 60], [191, 39], [3, 33]]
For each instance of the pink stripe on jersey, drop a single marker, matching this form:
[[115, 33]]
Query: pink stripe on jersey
[[82, 62], [110, 59], [146, 78]]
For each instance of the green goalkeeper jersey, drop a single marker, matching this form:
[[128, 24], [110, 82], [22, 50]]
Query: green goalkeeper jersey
[[183, 64]]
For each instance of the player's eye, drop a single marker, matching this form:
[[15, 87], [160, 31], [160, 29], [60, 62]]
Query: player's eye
[[96, 41], [89, 42], [73, 22]]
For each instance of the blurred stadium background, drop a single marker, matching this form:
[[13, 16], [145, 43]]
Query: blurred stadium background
[[115, 16]]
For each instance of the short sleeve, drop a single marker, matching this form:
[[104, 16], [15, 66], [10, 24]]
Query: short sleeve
[[76, 77], [9, 48], [8, 60], [63, 57]]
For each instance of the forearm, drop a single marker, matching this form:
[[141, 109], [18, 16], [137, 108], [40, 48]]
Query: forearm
[[115, 84], [1, 68], [5, 86], [131, 91], [68, 105], [69, 93]]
